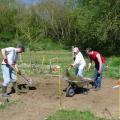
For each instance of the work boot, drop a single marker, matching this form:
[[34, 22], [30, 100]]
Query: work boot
[[97, 89], [15, 88], [4, 91]]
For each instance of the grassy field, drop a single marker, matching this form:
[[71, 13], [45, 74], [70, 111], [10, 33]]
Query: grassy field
[[38, 63], [74, 115]]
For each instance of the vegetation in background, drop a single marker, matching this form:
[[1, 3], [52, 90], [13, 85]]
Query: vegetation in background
[[83, 23]]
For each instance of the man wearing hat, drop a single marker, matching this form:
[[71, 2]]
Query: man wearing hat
[[79, 62], [9, 68]]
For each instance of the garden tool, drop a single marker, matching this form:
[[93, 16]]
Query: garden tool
[[29, 80]]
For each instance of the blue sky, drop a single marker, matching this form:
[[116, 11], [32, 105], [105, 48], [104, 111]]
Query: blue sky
[[29, 2]]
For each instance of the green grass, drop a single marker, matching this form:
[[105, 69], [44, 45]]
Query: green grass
[[64, 58], [4, 105], [73, 115]]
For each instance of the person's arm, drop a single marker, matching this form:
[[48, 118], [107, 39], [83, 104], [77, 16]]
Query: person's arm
[[3, 51], [73, 64], [15, 67], [77, 60], [100, 63], [14, 64]]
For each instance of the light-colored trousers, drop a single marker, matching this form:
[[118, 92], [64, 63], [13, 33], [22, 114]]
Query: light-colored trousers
[[8, 74], [79, 71]]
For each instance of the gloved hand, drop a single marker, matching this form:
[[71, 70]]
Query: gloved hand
[[6, 61], [98, 75], [70, 66]]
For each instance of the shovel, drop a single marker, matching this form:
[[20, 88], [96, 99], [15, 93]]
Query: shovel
[[29, 80]]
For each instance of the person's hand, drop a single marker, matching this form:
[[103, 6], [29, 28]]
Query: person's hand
[[71, 65], [98, 75], [18, 72], [5, 60], [99, 71]]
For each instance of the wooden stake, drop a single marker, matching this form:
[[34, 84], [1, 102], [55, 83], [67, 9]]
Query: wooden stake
[[43, 60], [60, 95]]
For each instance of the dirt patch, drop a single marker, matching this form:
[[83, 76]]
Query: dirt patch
[[40, 103]]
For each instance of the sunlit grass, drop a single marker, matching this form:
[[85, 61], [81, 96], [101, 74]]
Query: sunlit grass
[[5, 104], [63, 58], [74, 115]]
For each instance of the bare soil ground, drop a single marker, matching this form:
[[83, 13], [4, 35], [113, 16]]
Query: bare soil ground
[[40, 103]]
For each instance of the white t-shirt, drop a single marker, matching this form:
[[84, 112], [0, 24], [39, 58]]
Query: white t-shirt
[[79, 60], [11, 55]]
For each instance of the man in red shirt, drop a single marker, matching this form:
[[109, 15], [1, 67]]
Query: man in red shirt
[[99, 61]]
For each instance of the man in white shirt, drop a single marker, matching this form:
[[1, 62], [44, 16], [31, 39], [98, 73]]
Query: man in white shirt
[[79, 62], [9, 67]]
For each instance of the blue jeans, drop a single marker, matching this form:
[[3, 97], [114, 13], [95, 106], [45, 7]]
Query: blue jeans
[[98, 77], [8, 74]]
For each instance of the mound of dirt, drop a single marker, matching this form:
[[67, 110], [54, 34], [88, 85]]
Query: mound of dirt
[[39, 103]]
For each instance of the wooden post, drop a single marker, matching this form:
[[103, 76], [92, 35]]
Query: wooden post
[[43, 60], [60, 94]]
